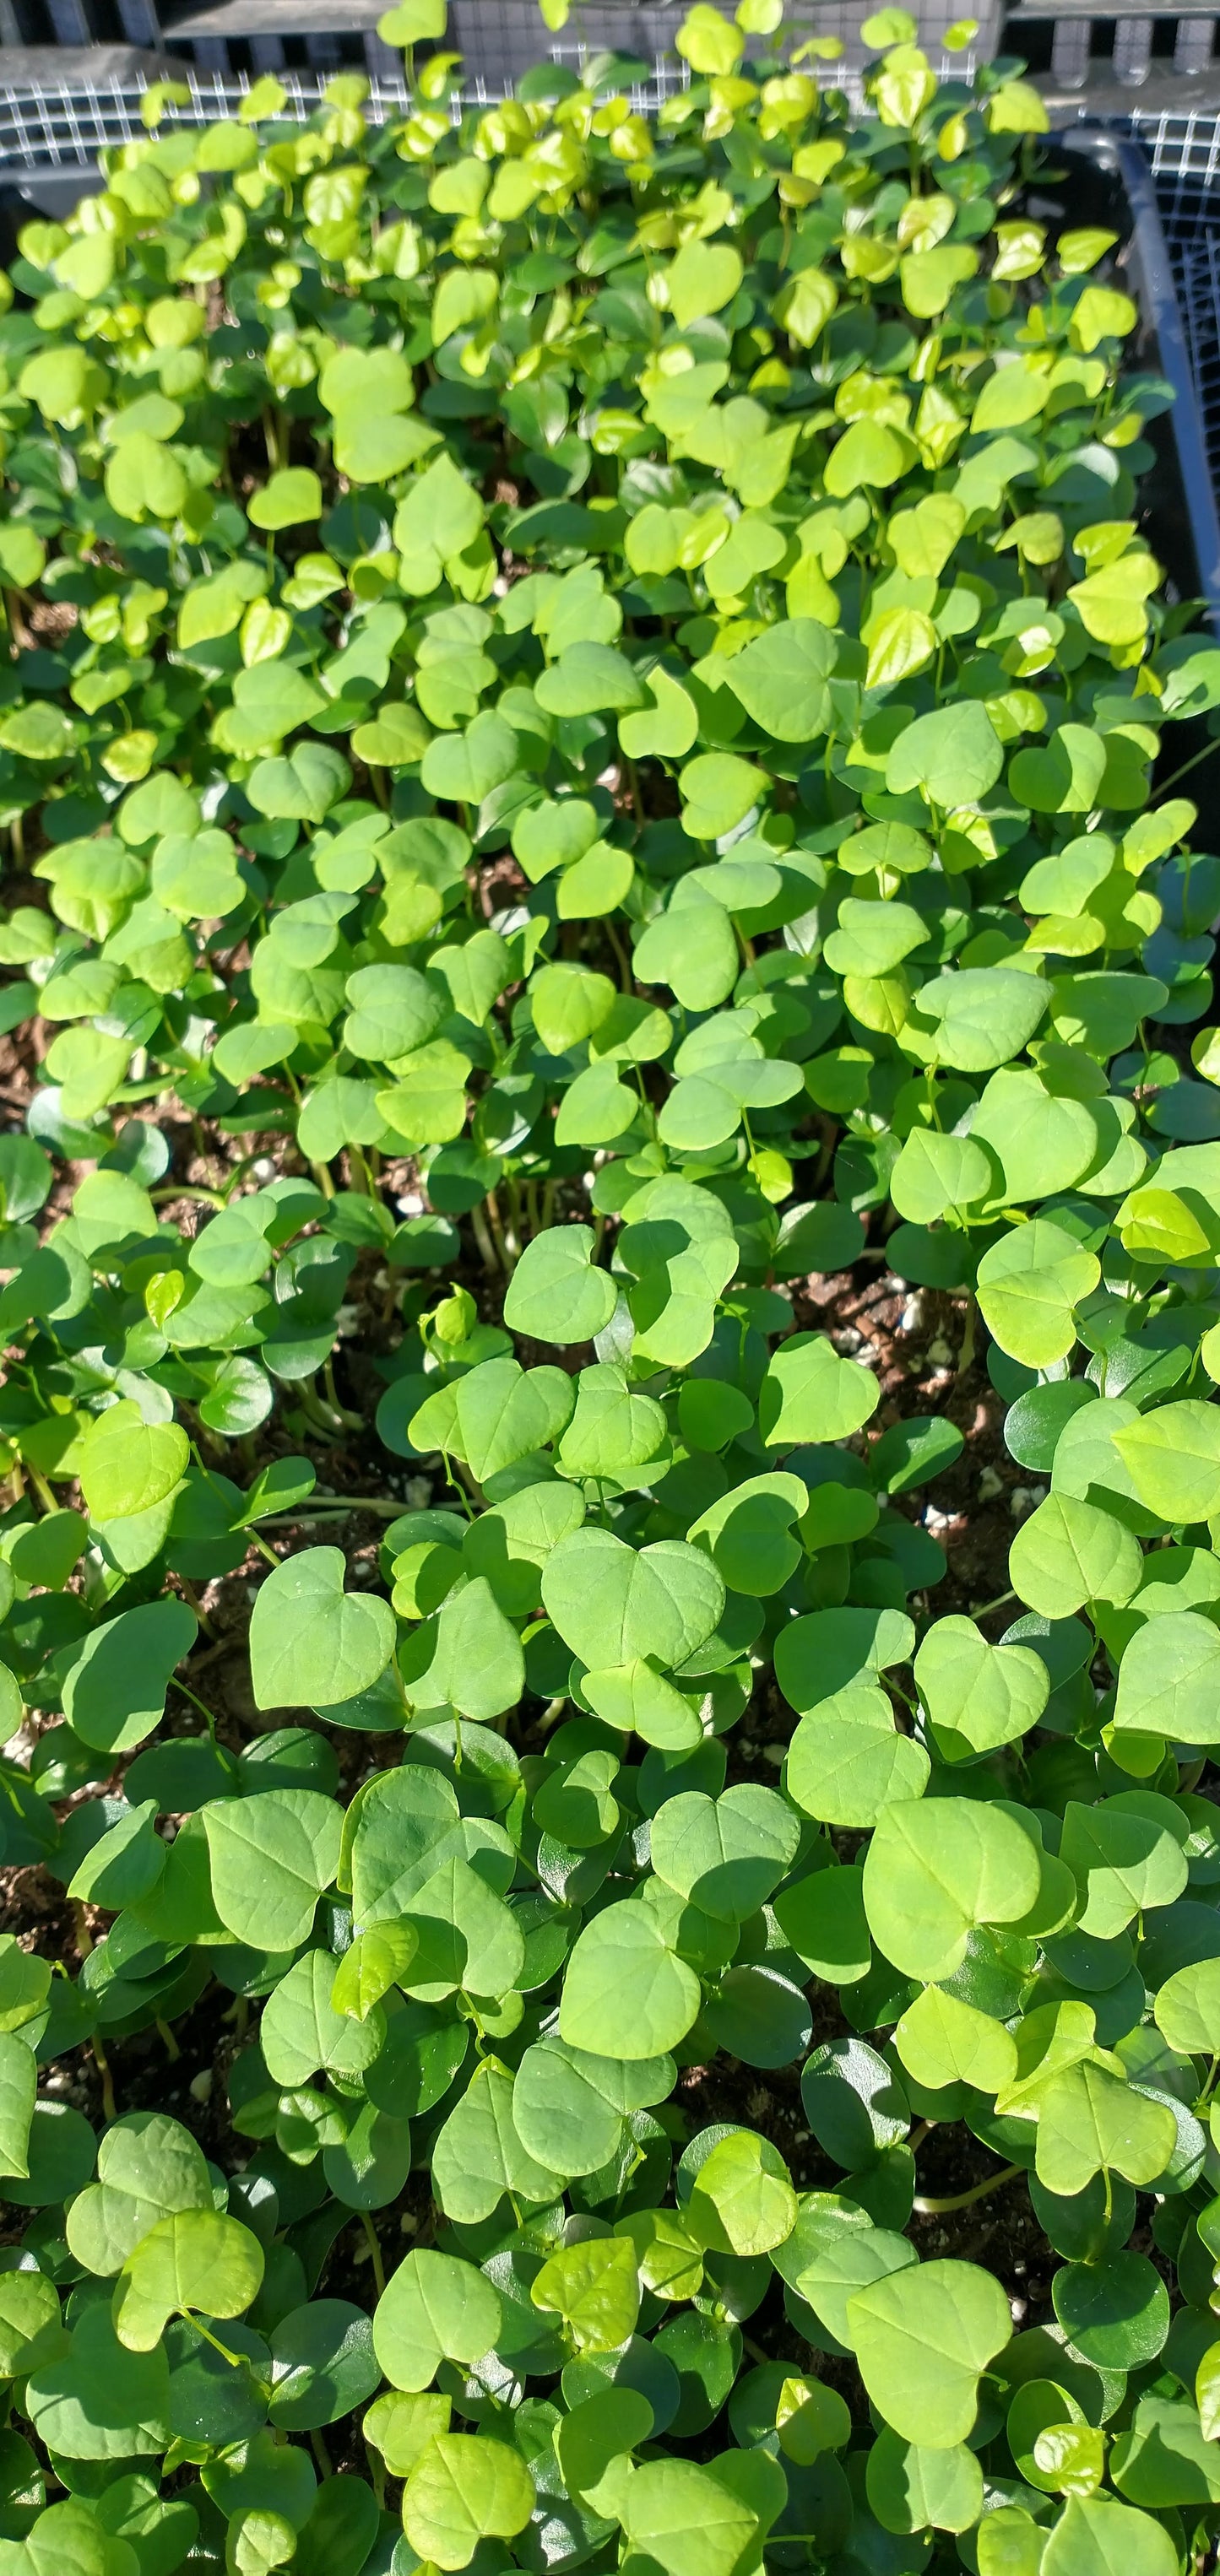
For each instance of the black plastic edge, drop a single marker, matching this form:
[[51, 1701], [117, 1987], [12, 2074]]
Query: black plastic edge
[[1147, 262]]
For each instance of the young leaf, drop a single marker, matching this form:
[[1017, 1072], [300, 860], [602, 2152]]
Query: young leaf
[[922, 2338], [311, 1643], [194, 2259], [271, 1857]]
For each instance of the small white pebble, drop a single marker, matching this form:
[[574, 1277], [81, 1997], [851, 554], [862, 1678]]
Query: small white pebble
[[411, 1203], [1020, 1501], [58, 2081], [912, 1316], [263, 1169], [934, 1520], [407, 2225], [800, 2137], [990, 1485], [201, 2085], [1019, 2307], [849, 1339], [361, 1571], [417, 1493], [774, 1753]]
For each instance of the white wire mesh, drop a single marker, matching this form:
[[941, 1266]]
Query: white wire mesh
[[44, 128], [1183, 147]]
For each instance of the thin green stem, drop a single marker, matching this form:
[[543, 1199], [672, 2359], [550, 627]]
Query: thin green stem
[[218, 1488], [234, 2359], [352, 1421], [101, 2061], [190, 1595], [965, 1357], [41, 1487], [374, 2246], [1000, 1602], [1164, 784], [622, 960], [196, 1702], [487, 1250], [491, 1209], [967, 2199]]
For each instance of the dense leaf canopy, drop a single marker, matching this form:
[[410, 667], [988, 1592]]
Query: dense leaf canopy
[[579, 749]]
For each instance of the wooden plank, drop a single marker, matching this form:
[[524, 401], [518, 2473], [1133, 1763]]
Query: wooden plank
[[273, 18], [1031, 12], [71, 67]]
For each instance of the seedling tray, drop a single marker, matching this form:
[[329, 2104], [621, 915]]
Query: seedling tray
[[521, 2130]]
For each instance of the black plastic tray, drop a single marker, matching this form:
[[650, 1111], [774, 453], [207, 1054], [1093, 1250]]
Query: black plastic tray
[[1108, 182]]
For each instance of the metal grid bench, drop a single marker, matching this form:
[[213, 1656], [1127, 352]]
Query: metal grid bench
[[499, 38]]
